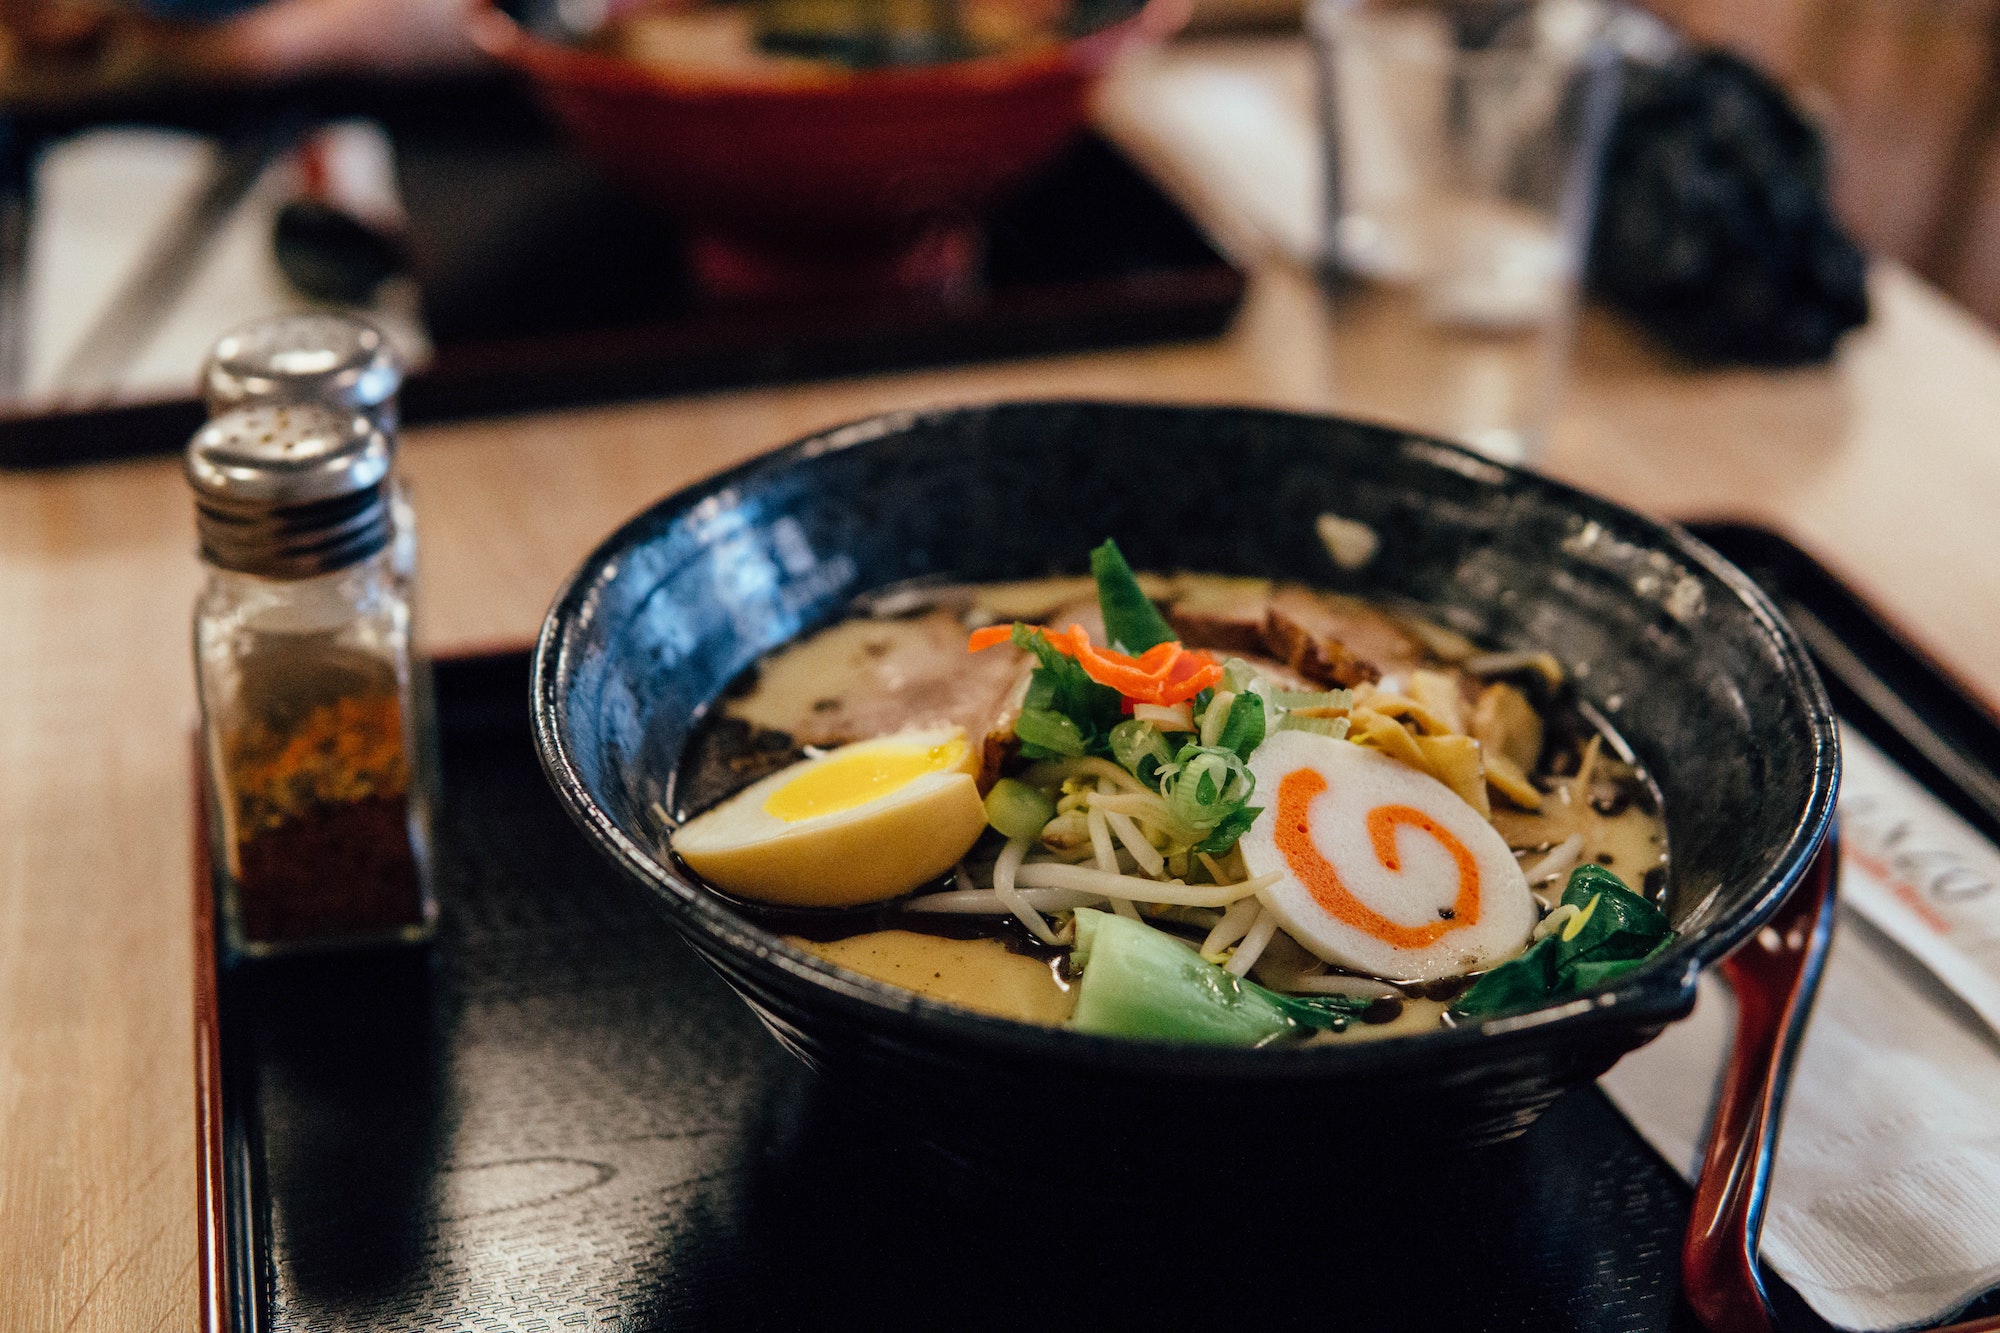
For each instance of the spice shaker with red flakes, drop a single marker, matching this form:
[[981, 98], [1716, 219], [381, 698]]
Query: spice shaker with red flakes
[[317, 730]]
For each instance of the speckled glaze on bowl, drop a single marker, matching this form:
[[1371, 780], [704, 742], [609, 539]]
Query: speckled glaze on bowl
[[1679, 649]]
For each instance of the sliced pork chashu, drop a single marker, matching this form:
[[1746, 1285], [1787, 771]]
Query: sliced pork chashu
[[1327, 638], [1337, 640], [863, 678], [1224, 615]]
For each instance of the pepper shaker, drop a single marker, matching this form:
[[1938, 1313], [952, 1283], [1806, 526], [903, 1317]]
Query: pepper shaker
[[317, 733], [337, 361]]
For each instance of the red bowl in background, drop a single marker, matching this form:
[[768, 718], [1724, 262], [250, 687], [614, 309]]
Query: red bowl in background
[[838, 182]]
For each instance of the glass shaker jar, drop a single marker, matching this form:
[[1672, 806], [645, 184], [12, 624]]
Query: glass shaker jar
[[337, 361], [317, 737]]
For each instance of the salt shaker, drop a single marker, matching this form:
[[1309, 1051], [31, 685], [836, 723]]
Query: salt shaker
[[337, 361], [318, 737]]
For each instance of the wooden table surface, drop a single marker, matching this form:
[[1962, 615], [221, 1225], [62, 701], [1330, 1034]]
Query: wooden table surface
[[1886, 464]]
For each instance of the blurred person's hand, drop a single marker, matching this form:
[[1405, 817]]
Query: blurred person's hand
[[292, 38], [53, 29], [75, 48]]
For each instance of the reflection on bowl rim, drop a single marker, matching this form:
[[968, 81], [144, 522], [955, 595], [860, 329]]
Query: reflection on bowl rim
[[504, 39], [1655, 994]]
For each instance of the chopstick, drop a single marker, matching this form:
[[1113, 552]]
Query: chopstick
[[1774, 974], [14, 208], [89, 375]]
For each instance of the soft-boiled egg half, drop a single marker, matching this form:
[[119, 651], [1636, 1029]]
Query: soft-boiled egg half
[[1381, 868], [860, 824]]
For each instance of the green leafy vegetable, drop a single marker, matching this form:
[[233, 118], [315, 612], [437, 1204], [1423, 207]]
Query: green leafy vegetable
[[1142, 982], [1228, 829], [1065, 713], [1289, 699], [1131, 622], [1611, 931], [1018, 810], [1206, 785], [1140, 749], [1244, 729], [1333, 727], [1332, 1012], [1238, 675], [1047, 734]]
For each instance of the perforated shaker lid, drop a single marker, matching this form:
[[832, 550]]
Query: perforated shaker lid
[[337, 361], [289, 490]]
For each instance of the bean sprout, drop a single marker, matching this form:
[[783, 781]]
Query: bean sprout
[[1004, 873], [1253, 944], [1143, 852], [1235, 924], [1100, 842], [1149, 808], [1555, 921], [1049, 875], [986, 902], [1560, 861], [1586, 769], [1107, 859], [1052, 772]]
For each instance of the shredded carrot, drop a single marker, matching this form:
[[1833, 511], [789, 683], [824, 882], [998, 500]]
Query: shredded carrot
[[991, 635], [1165, 674]]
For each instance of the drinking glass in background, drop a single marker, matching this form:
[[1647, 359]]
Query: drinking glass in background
[[1463, 142]]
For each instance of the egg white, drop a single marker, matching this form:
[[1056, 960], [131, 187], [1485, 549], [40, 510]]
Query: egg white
[[871, 852]]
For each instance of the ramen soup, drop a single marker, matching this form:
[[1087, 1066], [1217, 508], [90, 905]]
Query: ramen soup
[[817, 38], [1186, 808]]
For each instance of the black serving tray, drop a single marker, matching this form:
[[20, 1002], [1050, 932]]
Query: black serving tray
[[545, 285], [558, 1118]]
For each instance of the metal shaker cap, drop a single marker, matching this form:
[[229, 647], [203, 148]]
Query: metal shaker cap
[[334, 360], [289, 491]]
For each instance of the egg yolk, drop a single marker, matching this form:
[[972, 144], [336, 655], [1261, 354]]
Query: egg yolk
[[858, 778]]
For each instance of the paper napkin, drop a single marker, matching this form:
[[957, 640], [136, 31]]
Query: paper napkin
[[1885, 1200], [102, 198]]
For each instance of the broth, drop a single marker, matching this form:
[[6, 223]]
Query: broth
[[816, 39], [899, 661]]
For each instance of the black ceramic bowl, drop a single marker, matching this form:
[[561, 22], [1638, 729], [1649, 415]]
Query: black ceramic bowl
[[1677, 648]]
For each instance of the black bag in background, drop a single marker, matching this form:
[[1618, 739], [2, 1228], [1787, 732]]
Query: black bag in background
[[1714, 229]]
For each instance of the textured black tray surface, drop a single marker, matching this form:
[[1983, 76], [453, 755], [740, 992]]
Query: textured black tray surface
[[563, 1115], [558, 1118], [546, 285]]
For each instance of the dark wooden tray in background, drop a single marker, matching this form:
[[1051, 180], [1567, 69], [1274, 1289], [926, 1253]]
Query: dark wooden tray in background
[[558, 1117], [544, 285]]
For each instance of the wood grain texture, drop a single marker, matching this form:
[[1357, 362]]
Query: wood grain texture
[[96, 1087], [1886, 464]]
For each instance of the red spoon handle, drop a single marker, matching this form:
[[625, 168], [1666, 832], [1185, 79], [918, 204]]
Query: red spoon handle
[[1774, 975]]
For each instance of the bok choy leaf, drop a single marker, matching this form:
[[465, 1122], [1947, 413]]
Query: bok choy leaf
[[1609, 931], [1142, 982], [1065, 713]]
